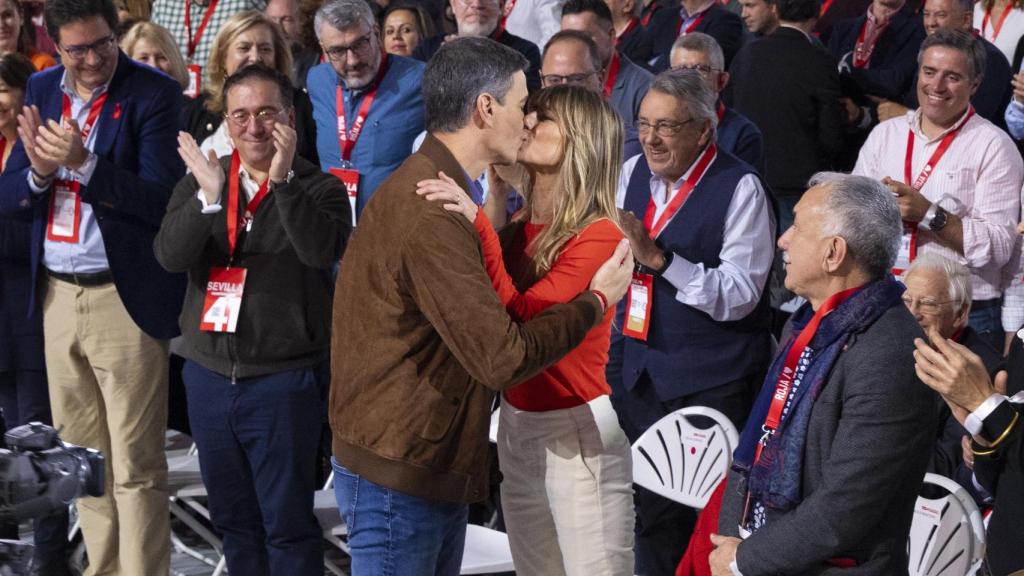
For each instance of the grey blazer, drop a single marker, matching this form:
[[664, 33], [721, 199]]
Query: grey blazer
[[869, 440]]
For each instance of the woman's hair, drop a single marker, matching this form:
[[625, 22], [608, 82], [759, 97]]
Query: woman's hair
[[424, 25], [216, 69], [138, 10], [15, 69], [592, 136], [159, 37], [27, 33]]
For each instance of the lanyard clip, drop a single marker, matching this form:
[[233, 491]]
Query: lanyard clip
[[768, 433]]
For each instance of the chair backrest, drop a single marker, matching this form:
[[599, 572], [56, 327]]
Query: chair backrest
[[947, 535], [684, 463]]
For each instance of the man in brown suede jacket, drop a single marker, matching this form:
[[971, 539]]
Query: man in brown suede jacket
[[421, 341]]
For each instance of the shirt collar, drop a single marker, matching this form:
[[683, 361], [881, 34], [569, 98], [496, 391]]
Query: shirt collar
[[885, 14], [915, 124], [686, 16], [655, 179], [67, 88], [798, 29]]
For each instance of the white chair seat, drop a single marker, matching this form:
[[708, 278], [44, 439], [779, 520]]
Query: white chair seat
[[681, 462], [947, 535], [486, 552]]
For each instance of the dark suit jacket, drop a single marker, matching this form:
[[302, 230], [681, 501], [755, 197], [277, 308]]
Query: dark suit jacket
[[718, 22], [636, 45], [868, 443], [789, 88], [893, 64], [137, 166], [425, 51]]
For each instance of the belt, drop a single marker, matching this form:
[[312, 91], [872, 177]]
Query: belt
[[986, 304], [84, 280]]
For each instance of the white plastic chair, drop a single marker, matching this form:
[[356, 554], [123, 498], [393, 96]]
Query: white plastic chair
[[681, 462], [947, 535]]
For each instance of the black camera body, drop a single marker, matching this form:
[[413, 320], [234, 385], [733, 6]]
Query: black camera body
[[40, 474]]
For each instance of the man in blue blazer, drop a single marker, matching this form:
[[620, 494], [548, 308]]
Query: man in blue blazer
[[94, 166]]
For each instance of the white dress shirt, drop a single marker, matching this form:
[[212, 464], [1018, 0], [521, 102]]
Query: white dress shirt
[[978, 179], [732, 290], [89, 255]]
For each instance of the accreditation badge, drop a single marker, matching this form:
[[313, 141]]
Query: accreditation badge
[[223, 300], [349, 176], [638, 300], [195, 79], [65, 212], [907, 251]]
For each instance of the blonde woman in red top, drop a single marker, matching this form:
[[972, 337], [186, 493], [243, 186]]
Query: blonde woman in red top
[[567, 492]]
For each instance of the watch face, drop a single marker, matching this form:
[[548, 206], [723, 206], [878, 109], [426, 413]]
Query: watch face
[[939, 220]]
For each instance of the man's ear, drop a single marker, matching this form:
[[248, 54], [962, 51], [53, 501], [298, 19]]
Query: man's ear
[[485, 109], [723, 79], [837, 253]]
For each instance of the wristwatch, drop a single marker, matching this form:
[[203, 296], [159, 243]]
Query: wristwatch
[[287, 179], [939, 219]]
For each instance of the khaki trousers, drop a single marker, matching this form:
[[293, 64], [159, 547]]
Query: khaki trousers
[[108, 390], [567, 492]]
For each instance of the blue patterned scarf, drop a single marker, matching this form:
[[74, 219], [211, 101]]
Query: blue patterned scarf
[[775, 481]]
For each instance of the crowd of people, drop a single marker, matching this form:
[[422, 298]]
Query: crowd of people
[[331, 237]]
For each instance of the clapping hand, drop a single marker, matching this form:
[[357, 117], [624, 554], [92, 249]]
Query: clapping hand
[[954, 372], [29, 126], [205, 168], [284, 154]]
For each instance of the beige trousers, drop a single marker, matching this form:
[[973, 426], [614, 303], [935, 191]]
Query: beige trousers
[[108, 390], [567, 492]]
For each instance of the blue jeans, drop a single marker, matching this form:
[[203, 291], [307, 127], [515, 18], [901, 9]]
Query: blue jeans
[[257, 442], [391, 533], [987, 322]]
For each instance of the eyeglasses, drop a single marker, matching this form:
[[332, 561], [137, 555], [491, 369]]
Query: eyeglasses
[[703, 69], [266, 117], [358, 48], [101, 47], [663, 128], [572, 79], [926, 306]]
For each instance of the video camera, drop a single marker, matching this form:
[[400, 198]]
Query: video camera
[[40, 475]]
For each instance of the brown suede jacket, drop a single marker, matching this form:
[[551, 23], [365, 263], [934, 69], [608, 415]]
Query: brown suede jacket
[[421, 341]]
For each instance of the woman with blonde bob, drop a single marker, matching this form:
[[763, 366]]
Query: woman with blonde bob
[[567, 492], [247, 38], [152, 44]]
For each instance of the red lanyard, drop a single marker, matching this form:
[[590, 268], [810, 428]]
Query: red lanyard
[[613, 72], [648, 11], [347, 139], [999, 25], [784, 386], [824, 7], [629, 28], [3, 148], [234, 218], [721, 112], [926, 172], [677, 201], [861, 51], [90, 120], [691, 27], [509, 5], [193, 42]]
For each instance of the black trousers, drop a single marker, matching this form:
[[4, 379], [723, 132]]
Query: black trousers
[[663, 527]]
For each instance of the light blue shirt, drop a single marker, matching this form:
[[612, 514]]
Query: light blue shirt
[[1015, 119], [89, 255], [392, 123]]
